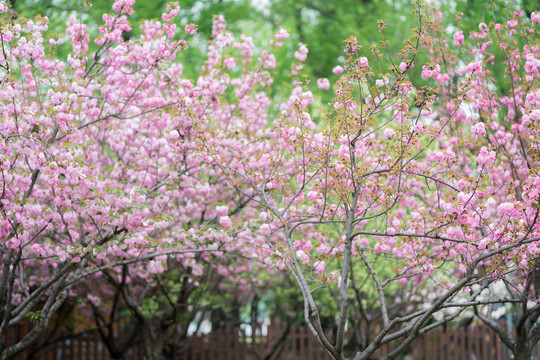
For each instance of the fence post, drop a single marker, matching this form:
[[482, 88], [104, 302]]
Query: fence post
[[486, 341], [441, 343], [262, 340], [497, 354], [461, 334], [244, 343], [470, 342], [294, 337]]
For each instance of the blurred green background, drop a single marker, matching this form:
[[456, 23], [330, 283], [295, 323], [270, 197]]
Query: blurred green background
[[321, 24]]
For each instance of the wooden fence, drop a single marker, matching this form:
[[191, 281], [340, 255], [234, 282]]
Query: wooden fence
[[471, 343], [88, 346]]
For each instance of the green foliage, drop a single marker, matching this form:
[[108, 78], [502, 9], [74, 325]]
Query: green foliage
[[35, 317], [470, 13], [150, 307]]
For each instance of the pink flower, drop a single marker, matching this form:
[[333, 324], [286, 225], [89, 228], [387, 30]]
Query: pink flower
[[389, 133], [382, 247], [265, 229], [222, 210], [225, 222], [442, 78], [303, 257], [459, 39], [476, 66], [535, 17], [454, 232], [479, 130], [323, 84], [155, 267], [426, 72], [337, 70], [363, 61], [403, 66], [230, 63], [94, 299], [282, 34], [320, 266], [298, 199], [420, 128], [191, 29], [428, 269], [486, 157], [323, 249], [312, 195], [301, 54], [363, 242], [37, 249], [223, 40], [270, 61], [462, 184], [124, 6], [506, 209]]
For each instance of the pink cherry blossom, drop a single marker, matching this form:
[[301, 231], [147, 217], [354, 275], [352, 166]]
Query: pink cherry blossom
[[459, 39], [486, 157], [323, 84], [389, 133], [337, 70]]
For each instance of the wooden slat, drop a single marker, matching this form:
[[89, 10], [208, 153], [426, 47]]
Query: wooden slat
[[427, 344], [64, 350], [298, 344], [243, 342], [461, 336], [496, 344], [294, 339], [262, 340], [229, 344], [473, 336], [454, 344], [423, 342], [487, 345], [442, 335], [464, 343], [80, 344], [93, 343], [288, 342]]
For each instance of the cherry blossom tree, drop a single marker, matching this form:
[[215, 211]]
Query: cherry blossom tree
[[101, 171], [438, 181]]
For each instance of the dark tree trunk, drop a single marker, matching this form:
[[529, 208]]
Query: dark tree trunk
[[523, 347], [522, 353]]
